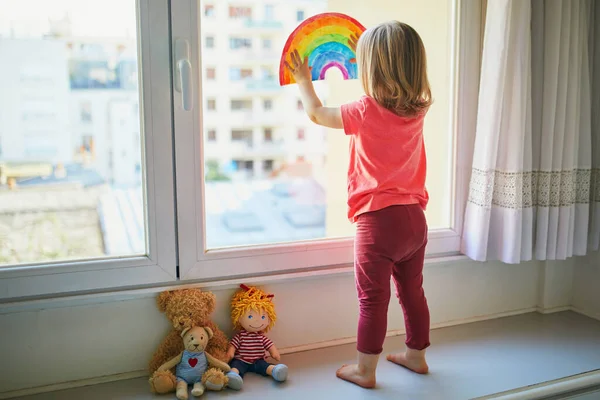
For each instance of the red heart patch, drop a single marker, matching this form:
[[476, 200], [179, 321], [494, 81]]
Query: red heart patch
[[193, 362]]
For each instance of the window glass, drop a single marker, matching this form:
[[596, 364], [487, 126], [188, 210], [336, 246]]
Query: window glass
[[71, 163], [284, 160]]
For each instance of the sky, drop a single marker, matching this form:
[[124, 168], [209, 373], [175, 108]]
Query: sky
[[106, 18]]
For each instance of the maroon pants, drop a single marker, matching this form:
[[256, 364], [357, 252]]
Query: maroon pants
[[391, 243]]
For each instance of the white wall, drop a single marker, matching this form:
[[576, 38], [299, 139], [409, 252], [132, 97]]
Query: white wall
[[586, 286], [81, 339]]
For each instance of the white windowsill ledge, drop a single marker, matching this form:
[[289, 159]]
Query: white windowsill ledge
[[130, 293]]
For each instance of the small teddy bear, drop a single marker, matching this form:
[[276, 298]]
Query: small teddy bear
[[185, 308], [253, 314], [193, 362]]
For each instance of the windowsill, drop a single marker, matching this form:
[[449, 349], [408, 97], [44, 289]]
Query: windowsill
[[121, 294], [486, 369]]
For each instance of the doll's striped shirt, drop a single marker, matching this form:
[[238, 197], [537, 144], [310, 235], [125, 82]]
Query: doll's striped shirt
[[250, 346]]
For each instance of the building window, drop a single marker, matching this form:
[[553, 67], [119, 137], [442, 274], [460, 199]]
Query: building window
[[211, 135], [211, 74], [241, 104], [209, 42], [269, 12], [300, 15], [268, 134], [267, 73], [209, 10], [268, 104], [238, 135], [300, 135], [85, 111], [267, 43], [267, 165], [236, 43], [211, 104], [240, 12], [299, 105], [236, 73]]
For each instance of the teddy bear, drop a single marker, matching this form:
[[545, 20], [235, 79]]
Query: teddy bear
[[193, 362], [186, 308]]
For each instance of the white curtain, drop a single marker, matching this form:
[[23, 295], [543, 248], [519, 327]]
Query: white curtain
[[533, 190]]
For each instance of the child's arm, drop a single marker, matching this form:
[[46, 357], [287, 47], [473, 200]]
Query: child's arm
[[330, 117]]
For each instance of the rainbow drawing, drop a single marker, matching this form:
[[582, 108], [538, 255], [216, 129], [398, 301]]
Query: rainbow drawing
[[324, 39]]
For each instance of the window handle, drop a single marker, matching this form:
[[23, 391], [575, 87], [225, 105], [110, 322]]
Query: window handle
[[183, 74]]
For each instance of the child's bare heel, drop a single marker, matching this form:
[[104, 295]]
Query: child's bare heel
[[413, 360]]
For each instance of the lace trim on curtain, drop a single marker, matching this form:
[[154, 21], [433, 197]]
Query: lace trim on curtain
[[519, 190]]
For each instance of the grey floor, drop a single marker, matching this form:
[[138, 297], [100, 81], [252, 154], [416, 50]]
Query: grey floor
[[466, 361]]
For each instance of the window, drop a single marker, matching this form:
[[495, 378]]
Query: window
[[268, 134], [236, 43], [211, 135], [240, 12], [267, 165], [143, 154], [267, 73], [80, 218], [267, 43], [243, 104], [211, 74], [86, 111], [269, 12], [310, 188], [209, 42], [237, 73], [244, 135]]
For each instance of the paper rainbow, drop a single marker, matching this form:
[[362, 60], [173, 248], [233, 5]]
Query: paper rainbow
[[324, 39]]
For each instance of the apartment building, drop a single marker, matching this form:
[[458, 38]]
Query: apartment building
[[253, 127]]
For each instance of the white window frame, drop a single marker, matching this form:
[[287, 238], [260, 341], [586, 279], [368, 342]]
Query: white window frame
[[198, 264], [160, 264]]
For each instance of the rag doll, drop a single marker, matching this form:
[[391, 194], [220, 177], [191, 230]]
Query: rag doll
[[253, 314]]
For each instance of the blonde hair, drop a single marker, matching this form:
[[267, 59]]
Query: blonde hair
[[393, 68], [252, 298]]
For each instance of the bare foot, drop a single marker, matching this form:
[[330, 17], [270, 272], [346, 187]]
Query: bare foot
[[352, 374], [411, 359]]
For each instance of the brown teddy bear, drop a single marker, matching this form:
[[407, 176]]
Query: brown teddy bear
[[186, 308], [193, 363]]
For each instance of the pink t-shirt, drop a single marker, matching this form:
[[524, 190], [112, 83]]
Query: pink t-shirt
[[387, 158]]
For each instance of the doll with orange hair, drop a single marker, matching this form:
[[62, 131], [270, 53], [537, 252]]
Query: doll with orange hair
[[253, 314]]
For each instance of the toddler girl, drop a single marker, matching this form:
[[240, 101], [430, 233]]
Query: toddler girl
[[386, 187]]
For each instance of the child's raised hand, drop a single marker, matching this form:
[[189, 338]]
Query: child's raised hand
[[299, 68]]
